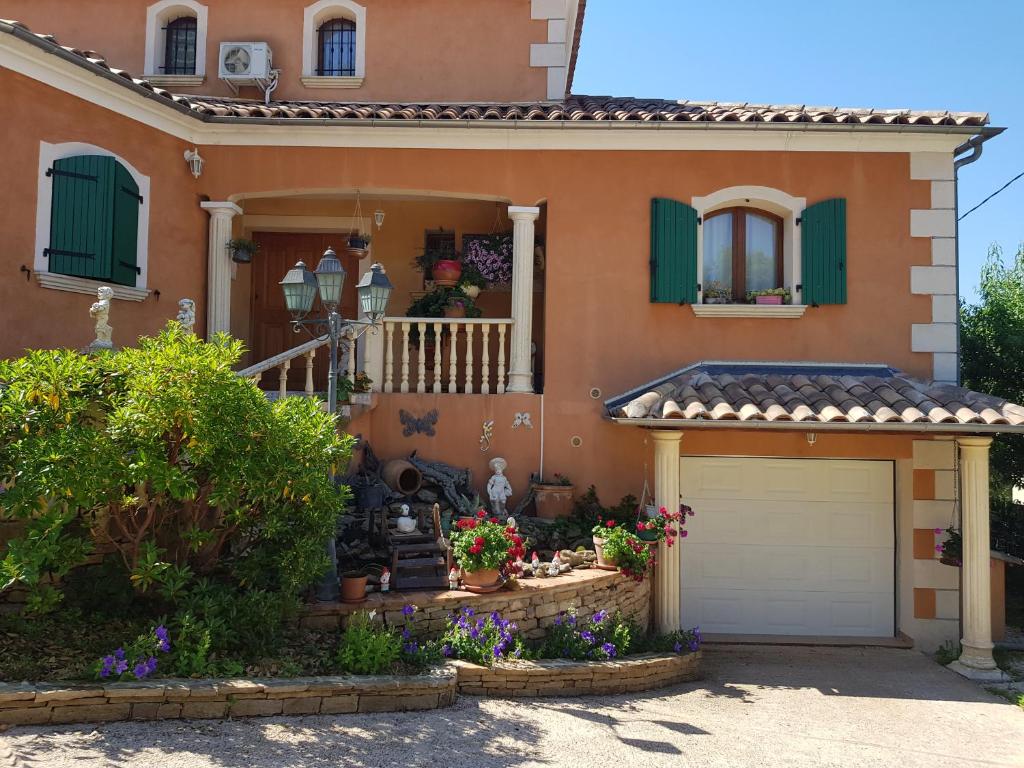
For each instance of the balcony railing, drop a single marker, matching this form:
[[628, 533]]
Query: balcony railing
[[445, 355]]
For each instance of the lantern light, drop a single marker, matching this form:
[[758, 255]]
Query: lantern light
[[299, 287], [374, 292], [378, 218], [330, 278], [195, 162]]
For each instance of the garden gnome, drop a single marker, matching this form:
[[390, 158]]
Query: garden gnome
[[405, 524], [100, 312], [385, 580], [453, 579], [498, 488], [535, 565], [186, 315], [556, 565]]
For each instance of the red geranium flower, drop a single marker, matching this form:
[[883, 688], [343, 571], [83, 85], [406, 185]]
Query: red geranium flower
[[479, 540], [609, 524], [494, 520], [481, 514]]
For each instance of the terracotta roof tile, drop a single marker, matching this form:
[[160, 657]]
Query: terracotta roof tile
[[571, 109], [805, 393]]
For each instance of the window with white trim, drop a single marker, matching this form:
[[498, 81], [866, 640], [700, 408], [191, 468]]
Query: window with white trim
[[92, 221], [176, 42], [334, 44]]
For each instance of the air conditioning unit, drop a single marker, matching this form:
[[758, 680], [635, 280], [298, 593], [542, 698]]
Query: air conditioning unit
[[246, 63]]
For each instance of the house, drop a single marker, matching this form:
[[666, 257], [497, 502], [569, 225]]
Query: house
[[821, 440]]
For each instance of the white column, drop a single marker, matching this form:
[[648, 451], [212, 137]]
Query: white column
[[520, 375], [666, 494], [218, 282], [976, 657], [373, 357]]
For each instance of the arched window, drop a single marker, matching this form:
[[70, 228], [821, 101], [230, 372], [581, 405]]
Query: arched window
[[180, 45], [336, 48], [742, 252]]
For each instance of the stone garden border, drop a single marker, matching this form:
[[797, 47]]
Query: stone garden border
[[47, 704], [560, 677], [42, 704]]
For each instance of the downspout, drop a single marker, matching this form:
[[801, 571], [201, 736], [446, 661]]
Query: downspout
[[974, 144]]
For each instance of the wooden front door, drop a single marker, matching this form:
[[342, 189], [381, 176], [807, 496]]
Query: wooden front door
[[271, 332]]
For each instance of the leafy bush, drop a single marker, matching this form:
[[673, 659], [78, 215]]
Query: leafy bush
[[368, 649], [602, 636], [481, 639], [163, 453], [680, 641], [628, 552]]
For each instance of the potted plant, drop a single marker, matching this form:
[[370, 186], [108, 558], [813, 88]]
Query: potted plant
[[553, 498], [243, 250], [951, 551], [490, 255], [661, 525], [353, 586], [357, 245], [459, 304], [630, 555], [716, 293], [769, 296], [600, 532], [471, 282], [482, 549]]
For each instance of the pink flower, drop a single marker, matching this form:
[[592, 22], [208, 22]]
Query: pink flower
[[938, 531], [940, 548]]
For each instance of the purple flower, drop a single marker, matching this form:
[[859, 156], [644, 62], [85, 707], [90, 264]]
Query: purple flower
[[495, 617], [558, 619], [121, 667], [119, 653], [408, 610], [163, 639], [571, 620], [694, 644], [468, 612], [588, 636], [678, 647], [151, 665], [406, 634], [474, 633], [140, 671], [446, 650], [411, 647], [609, 649], [940, 547], [599, 617], [938, 531]]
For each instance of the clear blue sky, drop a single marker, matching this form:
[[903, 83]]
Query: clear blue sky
[[921, 54]]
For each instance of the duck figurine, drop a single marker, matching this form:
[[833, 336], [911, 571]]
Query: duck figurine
[[405, 524]]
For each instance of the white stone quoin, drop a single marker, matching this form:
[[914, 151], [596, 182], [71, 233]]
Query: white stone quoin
[[218, 295], [520, 376], [667, 608], [976, 658]]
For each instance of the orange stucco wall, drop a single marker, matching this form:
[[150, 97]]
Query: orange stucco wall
[[31, 316], [416, 50]]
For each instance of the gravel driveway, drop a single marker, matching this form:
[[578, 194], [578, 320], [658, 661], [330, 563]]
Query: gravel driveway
[[759, 706]]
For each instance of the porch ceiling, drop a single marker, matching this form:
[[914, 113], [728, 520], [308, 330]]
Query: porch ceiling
[[810, 396]]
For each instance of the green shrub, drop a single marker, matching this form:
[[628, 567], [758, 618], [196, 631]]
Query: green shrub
[[602, 636], [481, 639], [368, 649], [165, 453]]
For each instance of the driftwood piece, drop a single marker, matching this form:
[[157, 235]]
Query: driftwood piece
[[451, 480]]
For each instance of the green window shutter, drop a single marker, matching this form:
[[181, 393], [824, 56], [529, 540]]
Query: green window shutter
[[673, 252], [823, 246], [124, 262], [81, 213]]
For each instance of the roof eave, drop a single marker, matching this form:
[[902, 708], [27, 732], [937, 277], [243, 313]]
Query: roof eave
[[821, 426]]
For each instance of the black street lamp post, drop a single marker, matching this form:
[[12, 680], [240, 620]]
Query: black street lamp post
[[300, 287]]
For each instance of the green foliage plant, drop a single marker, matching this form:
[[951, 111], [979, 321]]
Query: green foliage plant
[[628, 552], [367, 648], [164, 454], [481, 544]]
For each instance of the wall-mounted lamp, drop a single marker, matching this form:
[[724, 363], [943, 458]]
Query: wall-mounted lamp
[[195, 162], [812, 438], [378, 218]]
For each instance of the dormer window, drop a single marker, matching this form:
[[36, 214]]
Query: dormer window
[[334, 44], [742, 251], [336, 48], [180, 46]]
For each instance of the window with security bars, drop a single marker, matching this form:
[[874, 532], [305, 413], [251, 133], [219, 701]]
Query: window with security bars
[[180, 46], [336, 47]]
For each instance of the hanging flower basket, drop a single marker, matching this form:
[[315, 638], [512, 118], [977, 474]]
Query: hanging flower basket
[[491, 255]]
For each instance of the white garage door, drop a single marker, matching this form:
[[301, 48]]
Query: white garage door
[[788, 547]]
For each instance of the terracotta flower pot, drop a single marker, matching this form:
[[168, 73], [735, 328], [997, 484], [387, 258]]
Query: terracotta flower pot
[[602, 561], [447, 272], [485, 577], [455, 312], [553, 501], [353, 587]]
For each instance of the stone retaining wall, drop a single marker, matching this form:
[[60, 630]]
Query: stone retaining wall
[[533, 603], [557, 677], [23, 704]]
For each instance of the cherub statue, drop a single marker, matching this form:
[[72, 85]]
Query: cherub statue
[[100, 312], [498, 487], [186, 315]]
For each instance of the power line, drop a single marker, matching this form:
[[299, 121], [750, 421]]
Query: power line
[[991, 196]]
